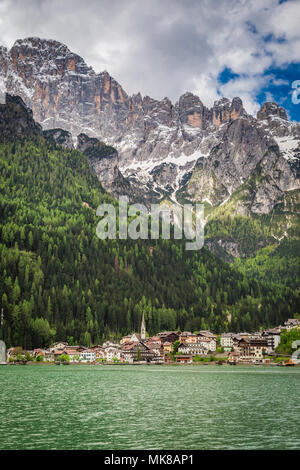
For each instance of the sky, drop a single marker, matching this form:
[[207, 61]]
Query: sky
[[213, 48]]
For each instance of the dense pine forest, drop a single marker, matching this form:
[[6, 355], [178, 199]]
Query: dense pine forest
[[58, 281]]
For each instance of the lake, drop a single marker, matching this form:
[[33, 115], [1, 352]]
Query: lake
[[149, 407]]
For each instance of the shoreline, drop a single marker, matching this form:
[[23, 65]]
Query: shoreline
[[195, 364]]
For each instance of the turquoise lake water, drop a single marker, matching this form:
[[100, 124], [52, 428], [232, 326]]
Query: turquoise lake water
[[149, 407]]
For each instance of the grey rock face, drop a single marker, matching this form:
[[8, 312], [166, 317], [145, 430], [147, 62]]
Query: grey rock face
[[59, 137], [224, 110], [271, 109], [192, 112], [164, 149], [249, 159], [227, 249], [103, 159]]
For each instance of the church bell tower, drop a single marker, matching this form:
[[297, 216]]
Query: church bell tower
[[143, 328]]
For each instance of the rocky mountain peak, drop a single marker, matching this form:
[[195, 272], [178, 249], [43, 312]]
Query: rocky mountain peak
[[161, 146], [40, 44], [237, 104], [270, 109], [189, 98], [225, 110], [32, 56], [222, 102], [192, 111], [57, 84]]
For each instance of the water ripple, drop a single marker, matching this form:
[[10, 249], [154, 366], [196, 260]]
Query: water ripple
[[120, 407]]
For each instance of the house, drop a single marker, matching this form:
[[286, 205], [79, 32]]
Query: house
[[135, 337], [192, 349], [244, 334], [87, 355], [125, 339], [44, 353], [38, 352], [233, 357], [243, 347], [99, 351], [291, 323], [74, 353], [207, 338], [131, 351], [209, 344], [58, 346], [252, 349], [258, 348], [235, 341], [48, 357], [112, 353], [157, 351], [273, 338], [110, 344], [184, 359], [188, 337], [100, 354], [226, 340], [58, 352], [207, 334], [154, 345], [13, 353], [170, 336], [157, 339], [167, 347]]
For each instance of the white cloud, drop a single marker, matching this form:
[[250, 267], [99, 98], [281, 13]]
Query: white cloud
[[285, 20], [166, 47], [246, 88], [205, 87]]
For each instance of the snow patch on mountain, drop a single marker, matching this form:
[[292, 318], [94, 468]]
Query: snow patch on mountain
[[287, 146]]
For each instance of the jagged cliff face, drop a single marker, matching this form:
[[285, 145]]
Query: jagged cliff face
[[183, 150], [266, 150], [61, 90], [105, 162]]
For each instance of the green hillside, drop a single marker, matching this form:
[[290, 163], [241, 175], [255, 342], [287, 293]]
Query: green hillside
[[58, 281]]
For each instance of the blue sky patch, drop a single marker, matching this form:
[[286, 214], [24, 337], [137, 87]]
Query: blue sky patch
[[226, 75], [279, 88]]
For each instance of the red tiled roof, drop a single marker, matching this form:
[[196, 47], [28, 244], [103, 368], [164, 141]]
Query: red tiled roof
[[129, 346]]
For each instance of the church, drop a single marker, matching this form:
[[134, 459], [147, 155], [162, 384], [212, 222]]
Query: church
[[134, 348], [142, 336]]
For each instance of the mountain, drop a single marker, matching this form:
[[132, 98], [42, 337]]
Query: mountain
[[182, 151], [58, 281]]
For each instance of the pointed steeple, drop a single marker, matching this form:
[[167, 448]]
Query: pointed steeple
[[143, 328]]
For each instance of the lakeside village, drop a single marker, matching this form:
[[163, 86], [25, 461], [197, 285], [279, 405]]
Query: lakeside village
[[169, 347]]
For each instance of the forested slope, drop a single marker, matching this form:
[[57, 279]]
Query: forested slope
[[58, 281]]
